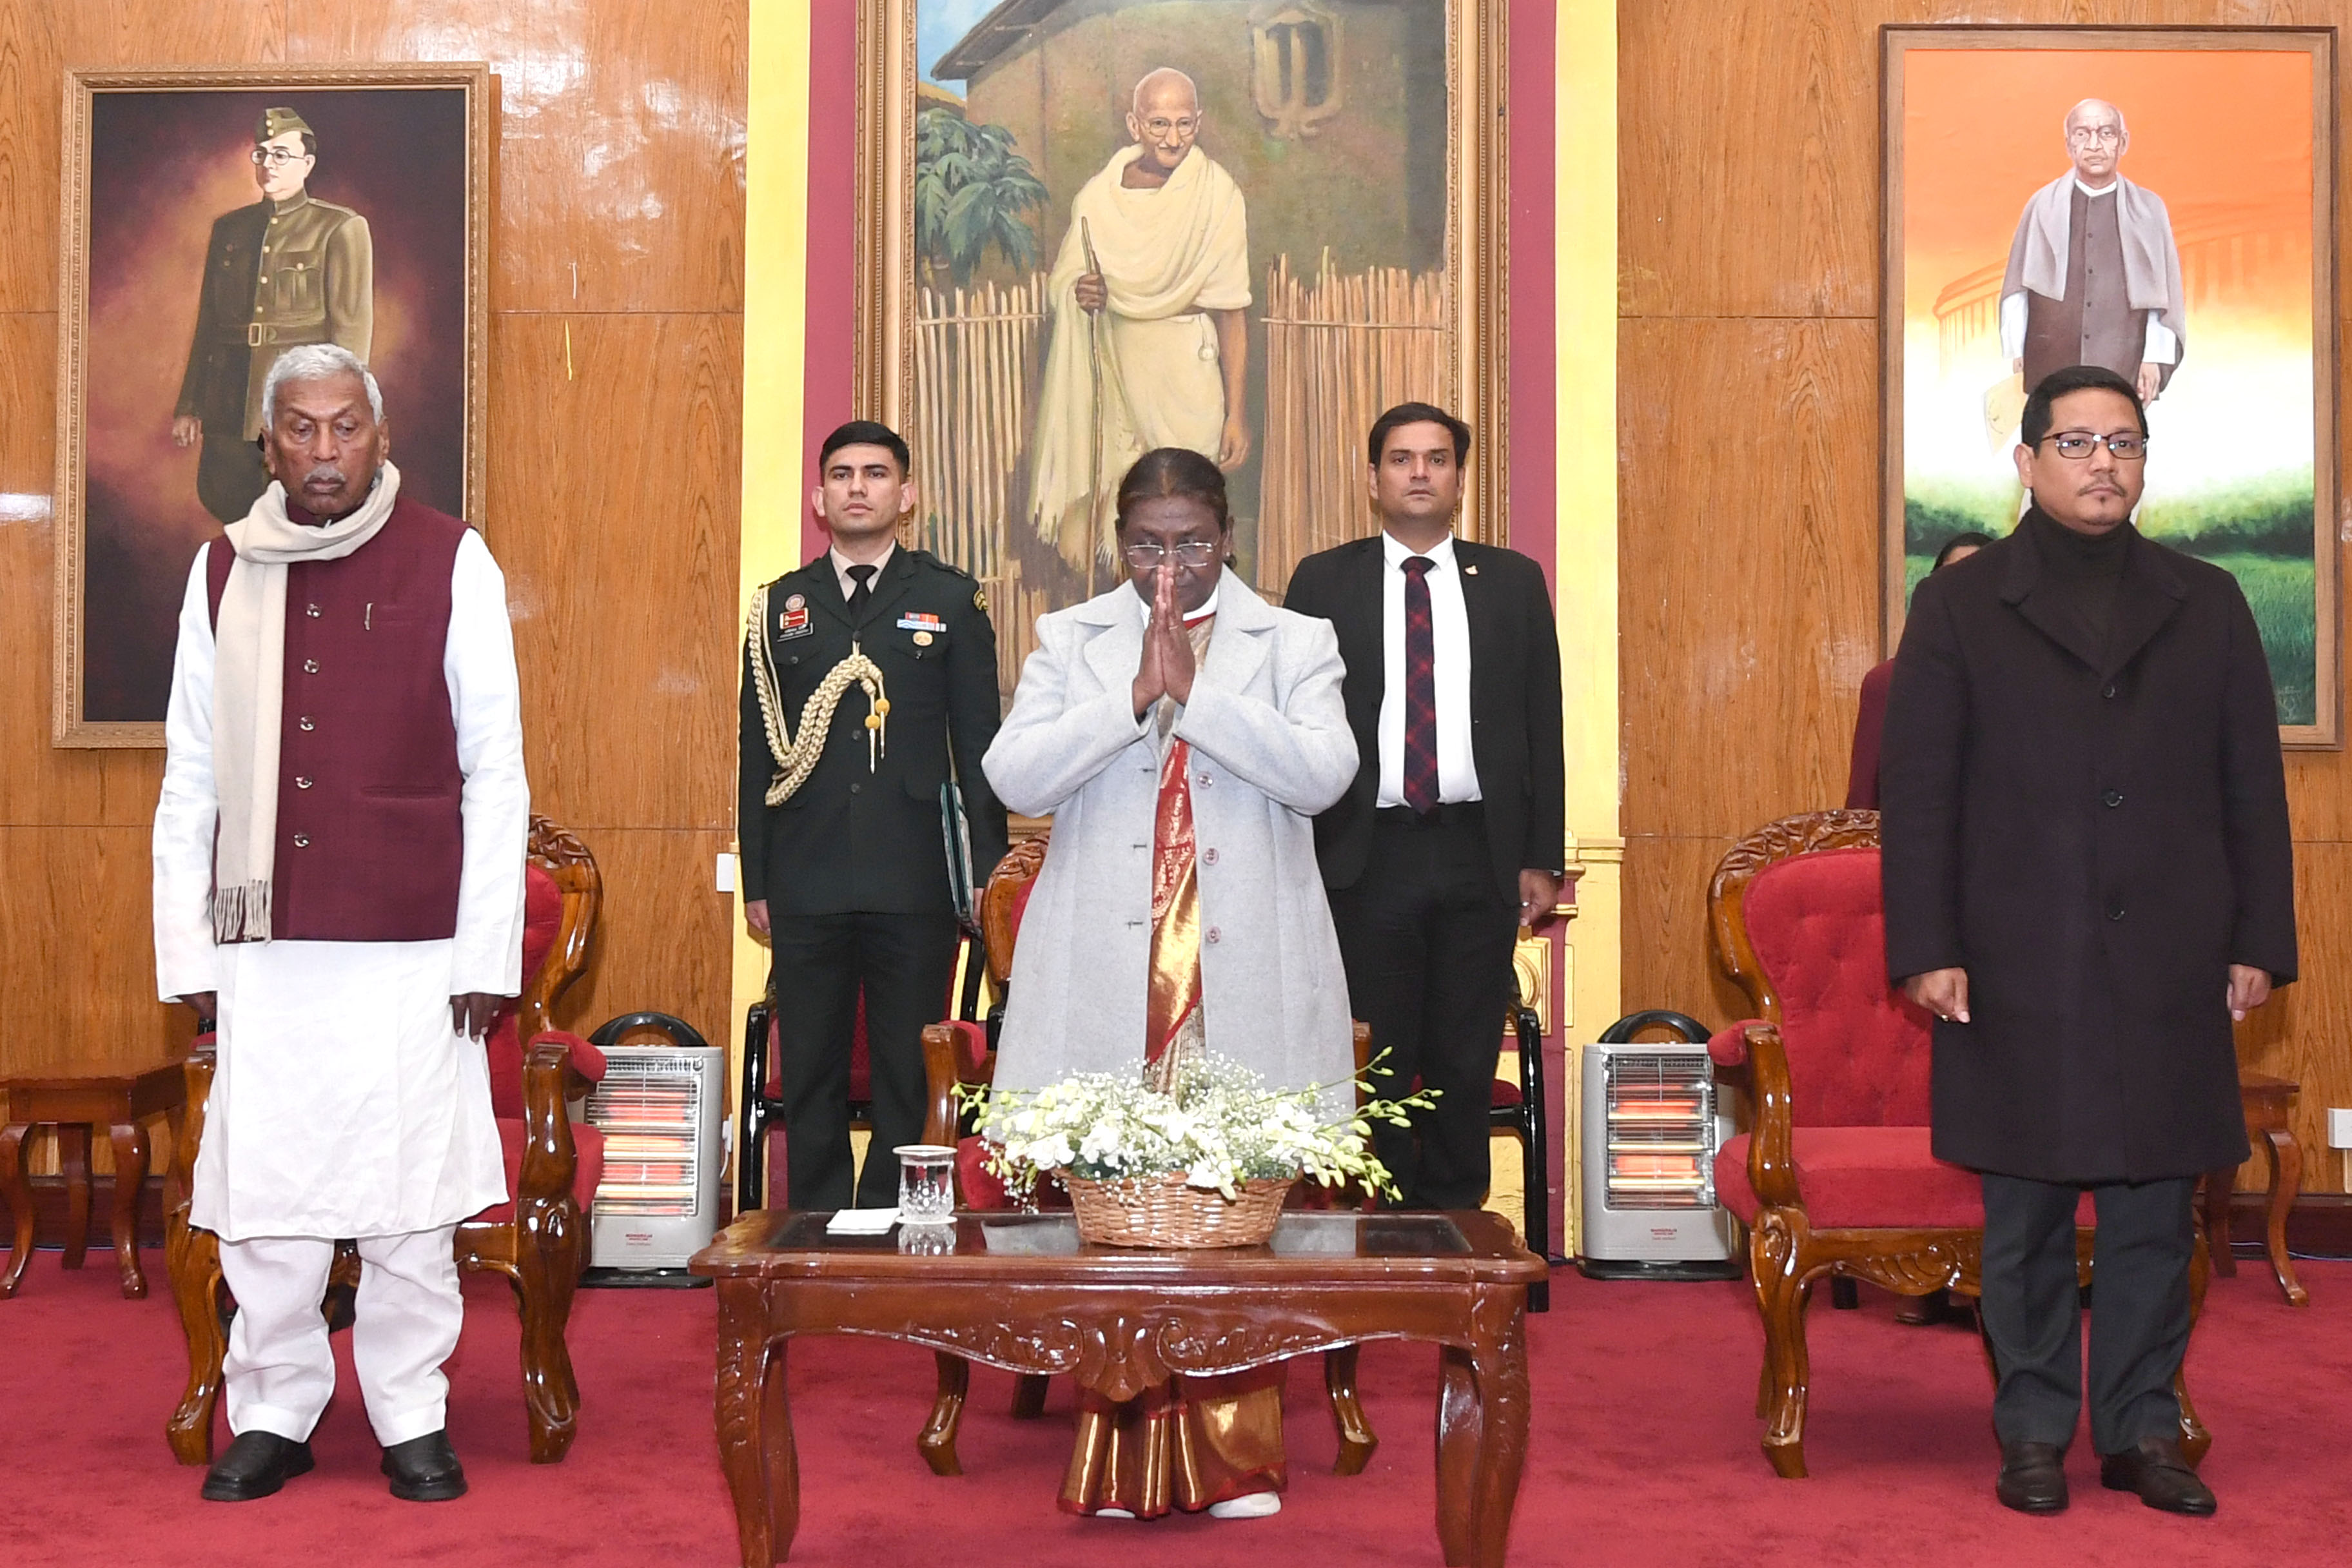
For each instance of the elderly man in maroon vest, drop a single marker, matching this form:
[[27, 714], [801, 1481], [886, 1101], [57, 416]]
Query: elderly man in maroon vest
[[339, 882]]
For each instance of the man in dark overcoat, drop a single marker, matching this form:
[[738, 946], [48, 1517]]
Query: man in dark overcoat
[[2088, 875], [840, 819]]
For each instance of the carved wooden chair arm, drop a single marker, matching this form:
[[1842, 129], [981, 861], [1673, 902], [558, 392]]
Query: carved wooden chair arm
[[1772, 1158], [549, 1159], [198, 1069], [954, 1051]]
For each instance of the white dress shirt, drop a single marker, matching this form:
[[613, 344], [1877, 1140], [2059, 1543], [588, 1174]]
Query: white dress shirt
[[841, 564], [1449, 627]]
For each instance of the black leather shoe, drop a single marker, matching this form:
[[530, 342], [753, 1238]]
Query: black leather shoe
[[2154, 1468], [2033, 1478], [256, 1465], [424, 1469]]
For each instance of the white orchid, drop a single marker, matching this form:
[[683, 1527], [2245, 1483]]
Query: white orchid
[[1218, 1127]]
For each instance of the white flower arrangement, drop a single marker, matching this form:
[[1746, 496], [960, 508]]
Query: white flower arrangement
[[1217, 1127]]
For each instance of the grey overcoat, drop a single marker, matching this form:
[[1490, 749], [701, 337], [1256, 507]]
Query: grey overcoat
[[1271, 747]]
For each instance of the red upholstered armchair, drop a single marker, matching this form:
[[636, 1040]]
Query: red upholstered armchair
[[1835, 1175], [539, 1239]]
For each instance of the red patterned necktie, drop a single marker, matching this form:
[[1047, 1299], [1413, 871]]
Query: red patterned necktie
[[1420, 688]]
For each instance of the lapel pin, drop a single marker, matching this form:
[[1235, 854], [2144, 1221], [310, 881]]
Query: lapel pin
[[1469, 571]]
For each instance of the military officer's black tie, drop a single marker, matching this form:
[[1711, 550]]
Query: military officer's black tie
[[861, 596]]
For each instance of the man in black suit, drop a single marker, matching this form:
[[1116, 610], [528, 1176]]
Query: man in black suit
[[1451, 835], [2088, 873], [846, 873]]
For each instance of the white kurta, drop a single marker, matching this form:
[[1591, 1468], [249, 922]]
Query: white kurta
[[343, 1103]]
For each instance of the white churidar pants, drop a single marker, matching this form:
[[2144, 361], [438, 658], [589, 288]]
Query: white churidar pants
[[279, 1369]]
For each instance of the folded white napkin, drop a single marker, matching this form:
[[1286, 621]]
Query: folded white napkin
[[861, 1222]]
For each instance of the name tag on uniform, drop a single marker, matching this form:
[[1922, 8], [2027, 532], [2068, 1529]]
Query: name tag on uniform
[[794, 620], [922, 621]]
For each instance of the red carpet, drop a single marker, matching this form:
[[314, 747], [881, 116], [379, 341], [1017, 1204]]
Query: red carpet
[[1643, 1449]]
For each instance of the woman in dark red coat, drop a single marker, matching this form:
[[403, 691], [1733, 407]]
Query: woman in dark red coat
[[1862, 776]]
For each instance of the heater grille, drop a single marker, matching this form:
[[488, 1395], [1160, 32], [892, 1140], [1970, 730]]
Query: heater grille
[[650, 1109], [1661, 1131]]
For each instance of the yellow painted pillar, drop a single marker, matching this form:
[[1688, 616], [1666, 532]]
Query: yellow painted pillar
[[1585, 318], [775, 274]]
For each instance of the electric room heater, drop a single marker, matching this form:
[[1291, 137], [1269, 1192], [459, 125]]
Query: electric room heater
[[1653, 1123], [662, 1110]]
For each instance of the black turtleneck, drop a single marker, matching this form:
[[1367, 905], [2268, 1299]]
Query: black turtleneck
[[2079, 571]]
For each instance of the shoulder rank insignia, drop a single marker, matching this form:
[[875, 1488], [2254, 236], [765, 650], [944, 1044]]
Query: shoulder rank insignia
[[979, 600]]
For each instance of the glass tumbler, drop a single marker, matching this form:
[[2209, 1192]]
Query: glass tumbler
[[926, 1183]]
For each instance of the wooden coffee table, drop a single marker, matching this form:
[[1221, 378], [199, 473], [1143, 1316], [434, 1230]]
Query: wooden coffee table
[[120, 1098], [1021, 1292]]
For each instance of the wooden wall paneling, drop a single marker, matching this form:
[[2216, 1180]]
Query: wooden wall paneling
[[614, 509], [621, 145], [38, 39], [81, 956], [1747, 579], [663, 937], [39, 783], [1667, 962], [2301, 1033], [1766, 111]]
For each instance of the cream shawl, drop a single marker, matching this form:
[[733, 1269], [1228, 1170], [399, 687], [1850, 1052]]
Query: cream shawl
[[249, 690]]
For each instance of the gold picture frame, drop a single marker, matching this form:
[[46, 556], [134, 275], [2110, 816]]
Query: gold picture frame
[[150, 160], [2216, 120], [1457, 324]]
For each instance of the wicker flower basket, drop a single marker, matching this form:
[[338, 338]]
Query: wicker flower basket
[[1162, 1211]]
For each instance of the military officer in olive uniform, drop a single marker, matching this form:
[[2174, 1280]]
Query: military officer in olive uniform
[[848, 873], [287, 270]]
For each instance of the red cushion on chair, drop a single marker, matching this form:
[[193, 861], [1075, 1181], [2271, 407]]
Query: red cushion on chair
[[585, 1140], [1506, 1095], [1858, 1051], [1867, 1177], [977, 1188], [542, 913], [861, 1058]]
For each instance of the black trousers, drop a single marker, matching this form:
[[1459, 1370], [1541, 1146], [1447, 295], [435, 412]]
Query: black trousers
[[1425, 936], [2140, 1309], [905, 964]]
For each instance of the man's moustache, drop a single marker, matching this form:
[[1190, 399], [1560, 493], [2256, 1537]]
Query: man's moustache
[[325, 476]]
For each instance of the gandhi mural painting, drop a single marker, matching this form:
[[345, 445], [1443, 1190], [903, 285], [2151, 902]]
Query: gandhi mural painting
[[224, 218], [1224, 224], [1149, 346], [2147, 201]]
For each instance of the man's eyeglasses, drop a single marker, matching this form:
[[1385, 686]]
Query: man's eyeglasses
[[1146, 553], [2101, 133], [2124, 445], [276, 157]]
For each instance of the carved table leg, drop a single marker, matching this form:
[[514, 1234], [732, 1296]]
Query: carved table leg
[[937, 1445], [1029, 1395], [2286, 1180], [130, 1140], [1358, 1442], [755, 1427], [1482, 1431], [73, 1159], [1458, 1432], [20, 1203]]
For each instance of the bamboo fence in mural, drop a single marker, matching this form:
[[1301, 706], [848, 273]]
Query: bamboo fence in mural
[[1339, 350], [976, 352]]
